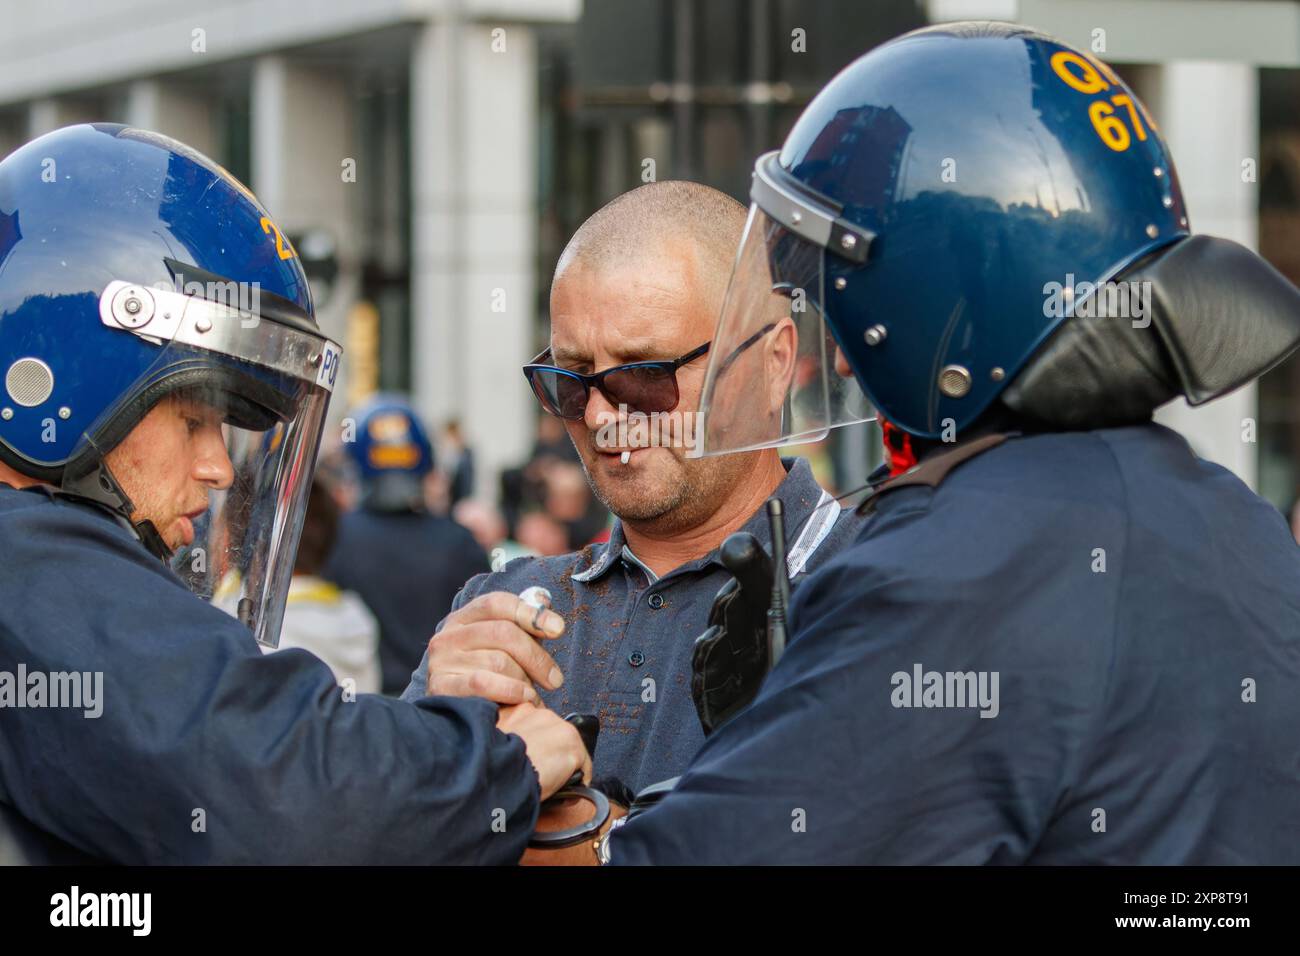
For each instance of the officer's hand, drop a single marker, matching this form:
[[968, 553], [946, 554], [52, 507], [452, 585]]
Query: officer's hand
[[487, 649], [552, 743]]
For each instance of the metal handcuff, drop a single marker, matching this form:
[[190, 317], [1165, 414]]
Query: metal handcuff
[[588, 726]]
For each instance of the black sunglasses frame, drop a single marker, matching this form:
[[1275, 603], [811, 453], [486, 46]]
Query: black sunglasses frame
[[597, 379]]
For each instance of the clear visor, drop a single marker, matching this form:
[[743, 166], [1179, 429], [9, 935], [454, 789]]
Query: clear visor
[[771, 378], [241, 557], [222, 464]]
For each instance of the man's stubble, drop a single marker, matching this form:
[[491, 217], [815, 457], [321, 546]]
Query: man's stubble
[[681, 497]]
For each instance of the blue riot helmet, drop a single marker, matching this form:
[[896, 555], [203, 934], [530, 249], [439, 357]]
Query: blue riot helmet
[[391, 451], [134, 270], [933, 213]]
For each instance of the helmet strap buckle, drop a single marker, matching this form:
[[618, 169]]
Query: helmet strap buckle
[[98, 485]]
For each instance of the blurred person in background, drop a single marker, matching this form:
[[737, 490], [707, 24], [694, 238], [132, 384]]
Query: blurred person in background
[[319, 617], [334, 470], [542, 535], [526, 488], [567, 499], [457, 463], [486, 523], [405, 562], [553, 442]]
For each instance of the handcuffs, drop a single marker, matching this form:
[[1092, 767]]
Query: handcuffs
[[588, 726]]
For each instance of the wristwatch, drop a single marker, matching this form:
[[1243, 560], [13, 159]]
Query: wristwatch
[[601, 845]]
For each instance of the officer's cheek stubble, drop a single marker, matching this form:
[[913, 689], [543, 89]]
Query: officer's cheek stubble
[[152, 464]]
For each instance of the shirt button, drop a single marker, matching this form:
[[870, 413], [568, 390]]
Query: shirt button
[[636, 658], [656, 601]]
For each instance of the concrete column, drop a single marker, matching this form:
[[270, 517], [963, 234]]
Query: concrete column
[[303, 144], [1209, 115], [46, 115], [473, 132]]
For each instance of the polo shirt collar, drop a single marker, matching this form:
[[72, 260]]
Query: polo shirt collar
[[810, 513]]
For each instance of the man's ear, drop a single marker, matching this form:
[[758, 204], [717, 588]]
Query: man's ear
[[781, 354]]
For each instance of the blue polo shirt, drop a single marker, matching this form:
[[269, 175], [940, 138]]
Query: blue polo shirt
[[629, 636]]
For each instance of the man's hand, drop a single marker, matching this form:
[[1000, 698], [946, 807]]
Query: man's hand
[[488, 649], [552, 743]]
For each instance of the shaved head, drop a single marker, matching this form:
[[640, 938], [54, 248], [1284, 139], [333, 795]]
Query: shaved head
[[668, 216]]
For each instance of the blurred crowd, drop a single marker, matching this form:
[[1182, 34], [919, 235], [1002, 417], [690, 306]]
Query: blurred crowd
[[542, 506]]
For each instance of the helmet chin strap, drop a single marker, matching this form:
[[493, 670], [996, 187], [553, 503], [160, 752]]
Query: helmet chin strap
[[98, 485]]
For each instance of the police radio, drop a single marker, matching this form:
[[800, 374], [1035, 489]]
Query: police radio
[[747, 625]]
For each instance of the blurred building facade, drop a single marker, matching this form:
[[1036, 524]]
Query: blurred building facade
[[394, 141], [429, 158]]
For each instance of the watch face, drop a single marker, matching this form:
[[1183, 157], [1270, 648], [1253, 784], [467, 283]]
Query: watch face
[[602, 845]]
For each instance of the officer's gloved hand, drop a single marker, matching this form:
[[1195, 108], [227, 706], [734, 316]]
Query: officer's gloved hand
[[731, 658]]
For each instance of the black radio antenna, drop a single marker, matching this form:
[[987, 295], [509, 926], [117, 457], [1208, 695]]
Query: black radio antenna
[[776, 626]]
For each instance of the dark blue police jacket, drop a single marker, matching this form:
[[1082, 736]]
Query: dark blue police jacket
[[1077, 648], [204, 750]]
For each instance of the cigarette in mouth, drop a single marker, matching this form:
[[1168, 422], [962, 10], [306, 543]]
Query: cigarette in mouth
[[627, 456]]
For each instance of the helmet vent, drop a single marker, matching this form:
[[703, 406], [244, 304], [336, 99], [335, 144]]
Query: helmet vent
[[954, 381], [29, 381]]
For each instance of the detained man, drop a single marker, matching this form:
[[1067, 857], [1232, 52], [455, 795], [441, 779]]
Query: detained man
[[634, 301]]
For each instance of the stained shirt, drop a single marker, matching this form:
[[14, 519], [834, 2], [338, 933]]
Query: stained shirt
[[626, 650]]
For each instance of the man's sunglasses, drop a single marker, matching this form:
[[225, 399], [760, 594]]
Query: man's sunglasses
[[642, 386]]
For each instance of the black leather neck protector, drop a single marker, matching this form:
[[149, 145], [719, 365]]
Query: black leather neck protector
[[1220, 317]]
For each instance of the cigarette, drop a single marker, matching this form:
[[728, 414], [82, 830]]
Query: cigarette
[[627, 455]]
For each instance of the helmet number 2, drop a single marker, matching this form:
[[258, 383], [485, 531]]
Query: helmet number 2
[[1083, 75], [281, 244]]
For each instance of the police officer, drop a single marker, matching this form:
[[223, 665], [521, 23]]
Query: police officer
[[1061, 637], [164, 389], [406, 563]]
